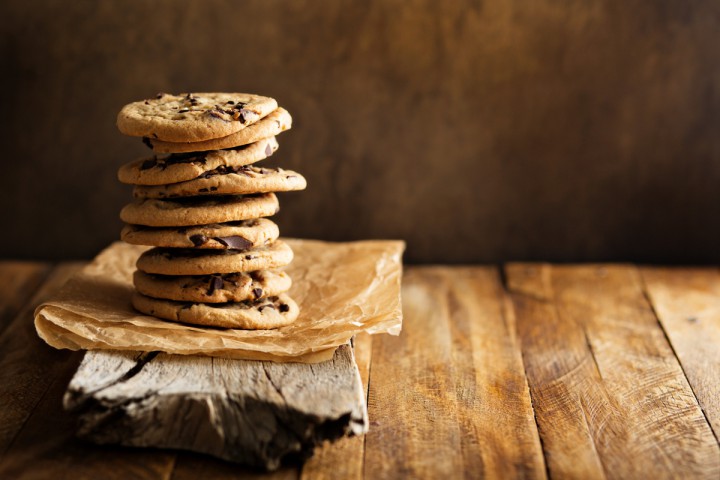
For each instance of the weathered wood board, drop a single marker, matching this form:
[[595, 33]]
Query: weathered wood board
[[252, 412]]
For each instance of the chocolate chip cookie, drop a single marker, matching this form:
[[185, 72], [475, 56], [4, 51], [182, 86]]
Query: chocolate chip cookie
[[229, 287], [239, 235], [193, 117], [228, 181], [216, 260], [180, 167], [274, 124], [188, 261], [183, 212], [269, 312]]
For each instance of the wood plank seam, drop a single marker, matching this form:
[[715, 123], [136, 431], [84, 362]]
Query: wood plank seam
[[546, 463], [509, 314], [57, 275], [584, 409], [32, 286], [26, 419], [370, 422], [644, 420], [651, 305], [592, 352], [583, 404]]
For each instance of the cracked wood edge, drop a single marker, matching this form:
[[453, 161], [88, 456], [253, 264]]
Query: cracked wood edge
[[687, 304], [247, 411], [610, 398], [449, 395], [28, 366], [344, 458]]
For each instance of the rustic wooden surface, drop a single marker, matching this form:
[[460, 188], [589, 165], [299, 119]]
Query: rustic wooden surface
[[501, 121], [528, 371], [250, 412]]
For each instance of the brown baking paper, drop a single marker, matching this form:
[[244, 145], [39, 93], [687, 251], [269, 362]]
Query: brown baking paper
[[342, 289]]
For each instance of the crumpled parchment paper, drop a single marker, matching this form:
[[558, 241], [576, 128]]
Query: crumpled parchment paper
[[342, 289]]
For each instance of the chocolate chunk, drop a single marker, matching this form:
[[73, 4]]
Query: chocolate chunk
[[191, 157], [198, 239], [147, 143], [242, 115], [213, 189], [284, 307], [268, 150], [235, 241], [160, 95], [216, 283], [249, 257], [147, 164], [203, 190], [230, 102], [257, 292], [189, 96], [147, 102], [217, 114], [183, 110]]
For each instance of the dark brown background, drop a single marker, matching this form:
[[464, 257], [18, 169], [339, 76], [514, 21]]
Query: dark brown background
[[477, 131]]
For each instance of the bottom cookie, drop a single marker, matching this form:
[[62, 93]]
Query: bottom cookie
[[265, 313]]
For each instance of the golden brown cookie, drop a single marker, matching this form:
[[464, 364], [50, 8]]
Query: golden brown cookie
[[183, 212], [179, 167], [239, 235], [275, 123], [193, 117], [188, 261], [229, 287], [228, 181], [269, 312]]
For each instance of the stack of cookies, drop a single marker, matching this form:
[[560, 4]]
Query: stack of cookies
[[202, 203]]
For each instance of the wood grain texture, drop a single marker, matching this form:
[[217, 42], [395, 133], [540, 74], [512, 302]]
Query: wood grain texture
[[610, 398], [192, 466], [503, 122], [19, 282], [47, 447], [452, 395], [687, 303], [449, 394], [256, 413], [27, 365]]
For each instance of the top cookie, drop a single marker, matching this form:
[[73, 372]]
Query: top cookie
[[193, 117], [274, 124]]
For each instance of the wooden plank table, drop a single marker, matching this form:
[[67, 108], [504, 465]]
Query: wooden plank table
[[531, 370]]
